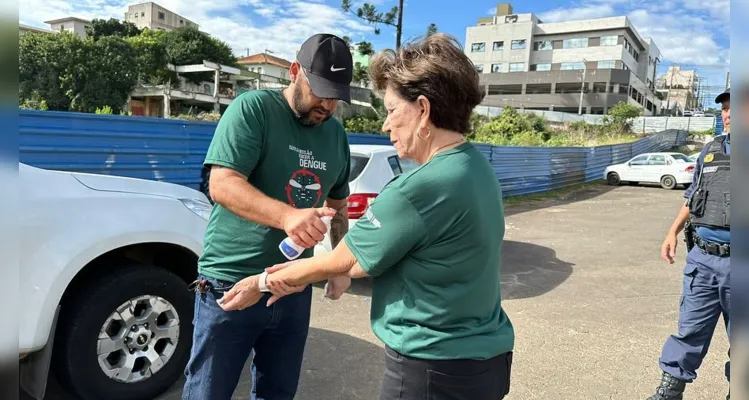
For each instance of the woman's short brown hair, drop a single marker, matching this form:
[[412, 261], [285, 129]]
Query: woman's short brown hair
[[437, 68]]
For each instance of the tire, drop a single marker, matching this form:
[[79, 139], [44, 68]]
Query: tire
[[613, 179], [76, 362], [668, 182]]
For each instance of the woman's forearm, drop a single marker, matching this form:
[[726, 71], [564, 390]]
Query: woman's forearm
[[318, 268]]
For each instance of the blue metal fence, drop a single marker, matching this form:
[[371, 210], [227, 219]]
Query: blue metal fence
[[173, 151]]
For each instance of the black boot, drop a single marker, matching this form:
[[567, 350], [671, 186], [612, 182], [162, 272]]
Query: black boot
[[669, 389]]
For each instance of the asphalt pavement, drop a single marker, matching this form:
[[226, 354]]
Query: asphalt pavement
[[584, 286]]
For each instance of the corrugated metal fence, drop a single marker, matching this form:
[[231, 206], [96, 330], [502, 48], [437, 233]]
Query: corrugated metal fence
[[173, 151]]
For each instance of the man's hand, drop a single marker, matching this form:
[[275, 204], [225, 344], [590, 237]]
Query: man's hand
[[337, 286], [305, 226], [668, 248], [243, 294]]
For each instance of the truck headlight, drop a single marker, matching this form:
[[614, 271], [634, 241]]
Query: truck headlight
[[201, 208]]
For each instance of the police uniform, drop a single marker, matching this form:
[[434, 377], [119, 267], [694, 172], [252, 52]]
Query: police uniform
[[706, 293]]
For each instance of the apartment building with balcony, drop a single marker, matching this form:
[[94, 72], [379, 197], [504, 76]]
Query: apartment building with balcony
[[153, 16], [529, 64]]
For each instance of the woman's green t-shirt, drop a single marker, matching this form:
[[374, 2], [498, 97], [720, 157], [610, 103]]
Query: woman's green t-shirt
[[432, 240]]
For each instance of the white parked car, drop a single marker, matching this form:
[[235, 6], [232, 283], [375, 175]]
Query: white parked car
[[105, 264], [372, 167], [668, 169]]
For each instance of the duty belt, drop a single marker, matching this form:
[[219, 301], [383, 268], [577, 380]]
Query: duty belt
[[716, 249]]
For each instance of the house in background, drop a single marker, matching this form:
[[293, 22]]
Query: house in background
[[73, 25], [23, 29], [266, 64], [153, 16]]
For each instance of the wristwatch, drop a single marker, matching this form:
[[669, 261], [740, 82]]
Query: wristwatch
[[261, 282]]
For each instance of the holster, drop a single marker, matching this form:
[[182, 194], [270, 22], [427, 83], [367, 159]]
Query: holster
[[689, 233]]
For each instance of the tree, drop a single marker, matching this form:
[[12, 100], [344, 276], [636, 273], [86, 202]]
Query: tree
[[365, 49], [372, 16], [431, 29], [188, 45], [112, 27], [150, 57], [66, 73], [347, 40], [361, 74]]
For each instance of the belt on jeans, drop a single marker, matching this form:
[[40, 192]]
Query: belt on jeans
[[716, 249]]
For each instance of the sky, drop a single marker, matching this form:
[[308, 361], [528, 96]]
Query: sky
[[687, 32]]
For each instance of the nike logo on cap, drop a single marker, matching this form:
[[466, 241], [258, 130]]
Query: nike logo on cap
[[334, 69]]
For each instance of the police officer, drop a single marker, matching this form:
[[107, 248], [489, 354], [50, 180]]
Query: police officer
[[706, 293]]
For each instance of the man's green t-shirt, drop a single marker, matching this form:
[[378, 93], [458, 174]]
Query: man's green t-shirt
[[432, 241], [259, 136]]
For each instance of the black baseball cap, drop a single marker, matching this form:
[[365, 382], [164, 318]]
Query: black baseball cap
[[327, 61], [723, 96]]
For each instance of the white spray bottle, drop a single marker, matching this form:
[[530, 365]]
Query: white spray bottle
[[291, 250]]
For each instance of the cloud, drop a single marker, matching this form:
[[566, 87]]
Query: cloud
[[254, 25]]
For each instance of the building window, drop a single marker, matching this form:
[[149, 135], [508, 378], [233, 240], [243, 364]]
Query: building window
[[517, 67], [477, 47], [578, 43], [607, 64], [572, 66], [609, 40], [625, 67], [142, 13], [541, 67], [498, 46], [496, 67], [162, 16], [480, 68], [543, 45], [181, 22], [518, 44]]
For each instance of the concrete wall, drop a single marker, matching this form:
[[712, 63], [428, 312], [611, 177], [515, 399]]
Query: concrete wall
[[270, 69], [146, 15]]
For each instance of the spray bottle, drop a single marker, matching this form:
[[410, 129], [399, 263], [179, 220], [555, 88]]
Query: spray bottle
[[291, 250]]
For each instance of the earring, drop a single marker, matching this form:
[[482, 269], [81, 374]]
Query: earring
[[429, 133]]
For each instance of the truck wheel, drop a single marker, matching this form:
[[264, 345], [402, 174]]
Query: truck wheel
[[126, 335]]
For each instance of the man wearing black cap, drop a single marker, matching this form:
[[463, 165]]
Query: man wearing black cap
[[705, 219], [279, 163]]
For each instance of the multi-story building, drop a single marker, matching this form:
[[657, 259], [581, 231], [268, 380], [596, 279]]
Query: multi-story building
[[153, 16], [529, 64], [680, 88]]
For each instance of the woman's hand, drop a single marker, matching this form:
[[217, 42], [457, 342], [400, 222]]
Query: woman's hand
[[277, 285]]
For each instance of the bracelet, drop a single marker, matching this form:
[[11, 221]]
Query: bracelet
[[261, 282]]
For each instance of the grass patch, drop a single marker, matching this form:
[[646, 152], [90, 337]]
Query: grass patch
[[556, 194]]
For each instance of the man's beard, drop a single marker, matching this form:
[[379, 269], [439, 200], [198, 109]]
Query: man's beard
[[304, 115]]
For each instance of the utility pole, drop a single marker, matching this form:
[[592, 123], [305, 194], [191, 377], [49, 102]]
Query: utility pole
[[728, 80], [582, 89], [399, 26]]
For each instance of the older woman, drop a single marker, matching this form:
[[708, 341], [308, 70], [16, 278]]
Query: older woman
[[431, 240]]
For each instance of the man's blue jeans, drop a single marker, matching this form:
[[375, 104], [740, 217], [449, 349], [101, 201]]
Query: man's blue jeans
[[223, 341], [706, 296]]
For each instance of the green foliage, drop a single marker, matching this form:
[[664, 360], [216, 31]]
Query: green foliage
[[71, 74], [188, 45], [620, 116], [362, 124], [150, 57], [431, 29], [111, 27], [361, 74], [365, 48], [203, 116], [106, 110]]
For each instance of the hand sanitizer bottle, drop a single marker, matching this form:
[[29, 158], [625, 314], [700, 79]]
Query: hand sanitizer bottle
[[291, 250]]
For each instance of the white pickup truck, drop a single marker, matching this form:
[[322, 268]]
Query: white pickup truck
[[105, 264]]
